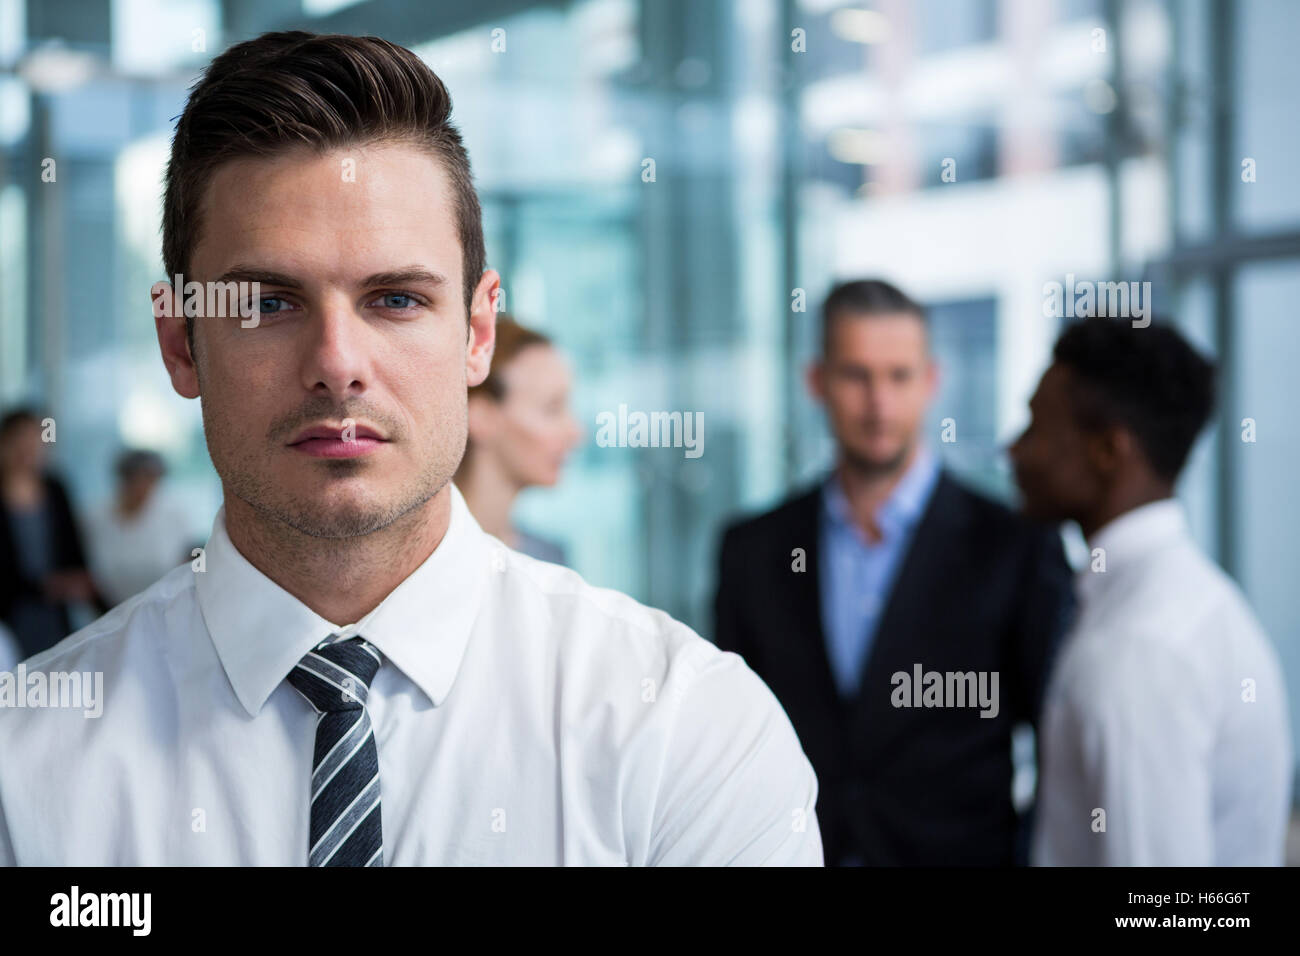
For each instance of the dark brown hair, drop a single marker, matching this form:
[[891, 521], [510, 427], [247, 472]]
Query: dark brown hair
[[865, 298], [297, 89], [1148, 379], [512, 338], [22, 415]]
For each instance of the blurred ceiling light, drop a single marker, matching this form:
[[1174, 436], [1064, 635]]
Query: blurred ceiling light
[[866, 147], [1099, 96], [54, 68], [320, 8], [860, 26], [15, 111]]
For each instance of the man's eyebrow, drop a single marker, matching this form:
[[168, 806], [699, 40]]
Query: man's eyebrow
[[412, 274], [408, 275], [265, 277]]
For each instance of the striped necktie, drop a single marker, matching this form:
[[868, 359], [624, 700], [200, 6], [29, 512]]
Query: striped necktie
[[345, 824]]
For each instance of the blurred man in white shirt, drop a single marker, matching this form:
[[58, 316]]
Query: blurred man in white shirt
[[353, 673], [1165, 730], [139, 534]]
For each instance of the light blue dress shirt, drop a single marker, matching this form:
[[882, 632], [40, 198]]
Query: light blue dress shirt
[[856, 575]]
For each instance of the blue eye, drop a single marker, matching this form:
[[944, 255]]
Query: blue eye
[[274, 300], [396, 300]]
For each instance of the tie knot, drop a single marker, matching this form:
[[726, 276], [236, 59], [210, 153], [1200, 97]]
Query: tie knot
[[336, 677]]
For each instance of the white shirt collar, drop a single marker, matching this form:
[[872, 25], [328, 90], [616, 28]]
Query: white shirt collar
[[261, 631], [1134, 535]]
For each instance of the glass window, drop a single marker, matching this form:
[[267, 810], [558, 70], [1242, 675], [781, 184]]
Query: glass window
[[1264, 448]]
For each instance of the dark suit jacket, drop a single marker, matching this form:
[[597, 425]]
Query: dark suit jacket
[[979, 589], [67, 553]]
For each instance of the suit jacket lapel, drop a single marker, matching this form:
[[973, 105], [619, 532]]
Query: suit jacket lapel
[[806, 600]]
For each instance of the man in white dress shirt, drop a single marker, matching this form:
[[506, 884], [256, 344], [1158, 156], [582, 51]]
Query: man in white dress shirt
[[140, 533], [1165, 729], [353, 672]]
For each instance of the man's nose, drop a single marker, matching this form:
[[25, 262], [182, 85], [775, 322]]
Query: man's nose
[[337, 348], [877, 395]]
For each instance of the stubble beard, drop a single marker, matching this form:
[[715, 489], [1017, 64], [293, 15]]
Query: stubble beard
[[242, 477], [315, 520], [875, 468]]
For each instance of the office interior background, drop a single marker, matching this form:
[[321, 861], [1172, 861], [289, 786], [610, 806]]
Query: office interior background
[[794, 142]]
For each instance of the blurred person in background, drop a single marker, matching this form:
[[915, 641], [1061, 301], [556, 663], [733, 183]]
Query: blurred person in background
[[520, 431], [139, 535], [1165, 735], [890, 566], [42, 562]]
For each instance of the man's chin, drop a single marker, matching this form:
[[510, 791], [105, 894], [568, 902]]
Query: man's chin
[[331, 509], [346, 521], [878, 461]]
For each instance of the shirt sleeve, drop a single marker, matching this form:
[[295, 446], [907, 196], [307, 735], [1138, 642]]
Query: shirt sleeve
[[7, 856], [1146, 741], [735, 788]]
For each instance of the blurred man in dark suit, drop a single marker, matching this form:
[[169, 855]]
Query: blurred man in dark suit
[[905, 622]]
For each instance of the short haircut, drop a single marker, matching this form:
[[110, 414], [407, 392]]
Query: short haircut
[[140, 461], [1148, 380], [511, 339], [294, 89], [15, 417], [865, 297]]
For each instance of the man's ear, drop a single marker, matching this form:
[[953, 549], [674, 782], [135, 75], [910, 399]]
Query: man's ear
[[933, 378], [1110, 449], [814, 377], [482, 328], [169, 321]]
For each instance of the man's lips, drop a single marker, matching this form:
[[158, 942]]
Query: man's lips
[[324, 441]]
